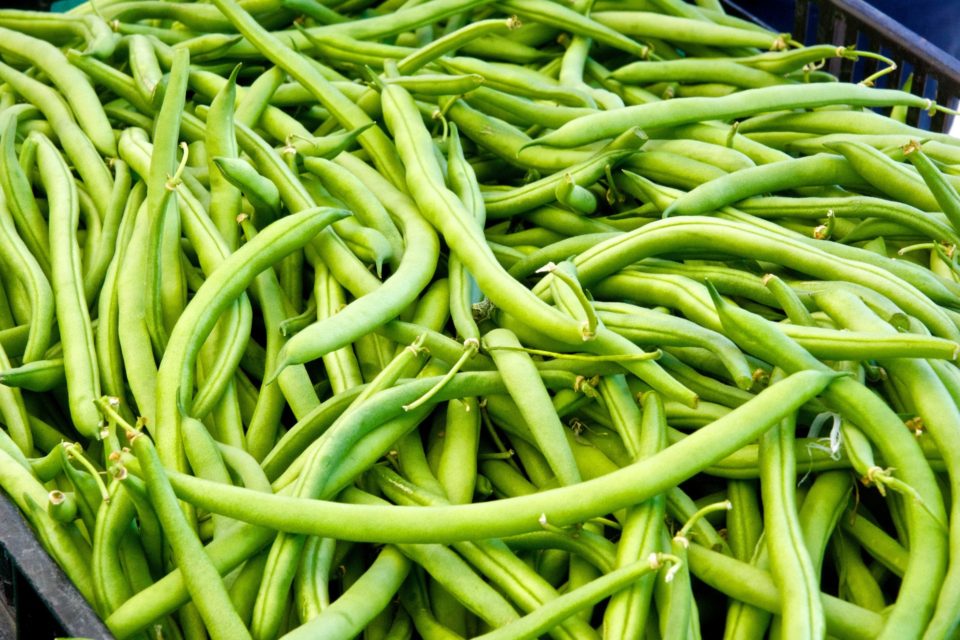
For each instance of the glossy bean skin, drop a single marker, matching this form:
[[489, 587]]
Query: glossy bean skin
[[76, 144], [821, 510], [856, 206], [211, 250], [221, 141]]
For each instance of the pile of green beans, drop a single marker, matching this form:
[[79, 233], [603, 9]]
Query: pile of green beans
[[459, 318]]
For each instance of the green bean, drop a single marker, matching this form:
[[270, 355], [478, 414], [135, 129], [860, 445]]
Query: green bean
[[820, 169], [856, 583], [454, 40], [106, 240], [221, 287], [76, 333], [113, 523], [602, 259], [316, 478], [205, 461], [73, 85], [833, 121], [166, 295], [492, 558], [627, 612], [609, 492], [349, 613], [39, 375], [429, 191], [821, 510], [682, 508], [201, 577], [691, 110], [414, 601], [517, 80], [518, 371], [722, 157], [76, 144], [886, 175], [511, 202], [29, 274], [211, 250], [315, 10], [670, 331], [62, 507], [457, 472], [14, 412], [311, 586], [936, 408], [876, 542], [914, 606], [137, 352], [744, 519], [169, 593], [57, 28], [221, 142], [342, 368], [928, 224], [520, 110], [370, 311], [746, 583], [304, 432], [672, 169], [550, 614], [366, 207], [208, 47], [429, 84], [464, 293], [261, 192], [30, 495], [145, 69], [696, 70], [19, 196], [568, 19], [345, 111], [943, 192], [507, 142]]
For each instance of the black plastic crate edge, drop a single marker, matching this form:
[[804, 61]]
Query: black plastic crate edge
[[929, 61], [46, 579]]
